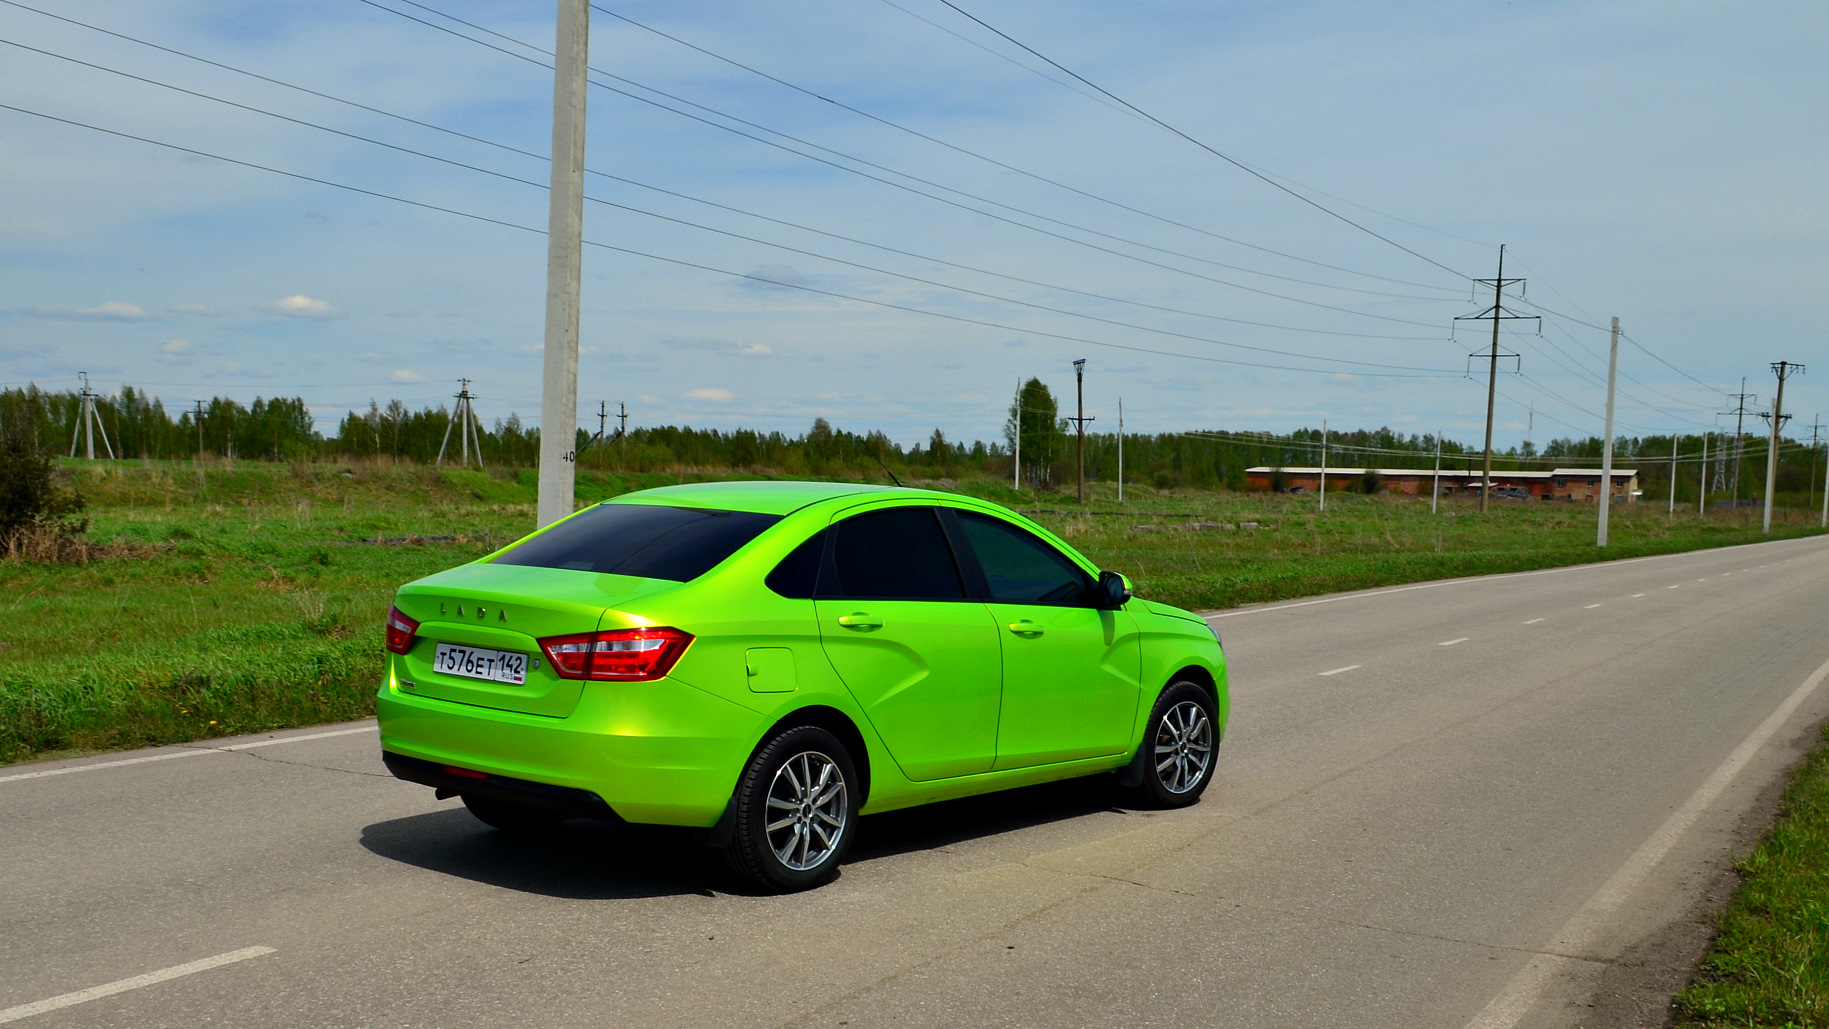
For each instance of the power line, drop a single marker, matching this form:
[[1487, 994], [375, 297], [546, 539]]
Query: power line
[[626, 181], [974, 154], [1236, 164], [734, 235], [913, 178], [694, 265]]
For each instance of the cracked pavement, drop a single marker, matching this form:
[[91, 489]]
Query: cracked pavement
[[1385, 845]]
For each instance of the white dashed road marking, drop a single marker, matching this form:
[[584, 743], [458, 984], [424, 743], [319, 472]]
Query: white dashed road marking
[[1533, 621], [1590, 607], [39, 1007], [1337, 671], [1450, 643]]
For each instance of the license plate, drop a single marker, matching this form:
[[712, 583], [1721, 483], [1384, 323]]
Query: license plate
[[476, 663]]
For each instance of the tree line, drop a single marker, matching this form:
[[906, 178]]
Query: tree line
[[138, 425]]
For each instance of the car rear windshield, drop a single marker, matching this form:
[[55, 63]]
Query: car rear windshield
[[679, 543]]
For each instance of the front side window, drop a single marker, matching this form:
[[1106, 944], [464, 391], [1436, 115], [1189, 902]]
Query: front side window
[[1021, 569], [679, 543], [898, 554]]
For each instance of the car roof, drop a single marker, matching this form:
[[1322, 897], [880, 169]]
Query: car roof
[[766, 497]]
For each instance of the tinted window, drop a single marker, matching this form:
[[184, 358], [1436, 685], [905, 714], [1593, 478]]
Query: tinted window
[[1020, 568], [637, 539], [798, 573], [900, 553]]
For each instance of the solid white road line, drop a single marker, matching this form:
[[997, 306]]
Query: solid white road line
[[1590, 607], [39, 1007], [1533, 621], [299, 739], [1579, 933], [1450, 643], [187, 752], [1337, 671]]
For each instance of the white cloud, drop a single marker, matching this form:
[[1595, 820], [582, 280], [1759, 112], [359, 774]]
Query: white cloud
[[372, 356], [299, 305], [407, 375], [756, 350], [231, 366], [775, 276], [203, 310], [708, 394], [109, 311], [174, 351]]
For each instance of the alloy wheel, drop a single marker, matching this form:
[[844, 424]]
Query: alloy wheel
[[1184, 746], [807, 809]]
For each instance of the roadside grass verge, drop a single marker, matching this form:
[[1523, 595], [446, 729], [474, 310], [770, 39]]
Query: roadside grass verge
[[243, 596], [1769, 964]]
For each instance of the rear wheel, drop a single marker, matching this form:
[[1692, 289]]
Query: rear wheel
[[796, 811], [1179, 745], [512, 818]]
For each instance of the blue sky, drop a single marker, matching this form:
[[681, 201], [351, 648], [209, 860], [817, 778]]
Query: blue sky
[[1658, 161]]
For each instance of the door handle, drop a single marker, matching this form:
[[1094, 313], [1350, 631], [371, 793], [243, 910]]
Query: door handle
[[860, 621], [1026, 628]]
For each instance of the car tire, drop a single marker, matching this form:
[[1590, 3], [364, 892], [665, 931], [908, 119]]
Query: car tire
[[796, 811], [518, 819], [1180, 743]]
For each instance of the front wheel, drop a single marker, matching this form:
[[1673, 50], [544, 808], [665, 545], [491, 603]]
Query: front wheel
[[1179, 745], [796, 811]]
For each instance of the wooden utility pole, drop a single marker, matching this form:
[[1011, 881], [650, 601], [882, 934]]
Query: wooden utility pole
[[564, 265], [1079, 380], [1496, 313], [1784, 370], [1121, 451]]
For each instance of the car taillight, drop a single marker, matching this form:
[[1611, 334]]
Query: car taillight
[[618, 655], [400, 630]]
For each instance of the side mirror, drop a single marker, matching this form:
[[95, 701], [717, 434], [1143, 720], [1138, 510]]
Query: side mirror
[[1112, 592]]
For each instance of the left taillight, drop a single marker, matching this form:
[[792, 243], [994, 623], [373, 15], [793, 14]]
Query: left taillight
[[617, 655], [400, 631]]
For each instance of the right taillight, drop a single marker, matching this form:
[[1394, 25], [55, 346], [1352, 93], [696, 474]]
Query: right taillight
[[400, 631], [617, 655]]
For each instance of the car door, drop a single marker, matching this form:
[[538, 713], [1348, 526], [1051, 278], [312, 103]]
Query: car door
[[1071, 672], [921, 657]]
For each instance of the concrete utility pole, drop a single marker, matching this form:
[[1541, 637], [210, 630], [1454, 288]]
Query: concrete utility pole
[[1702, 481], [1497, 314], [564, 266], [1323, 464], [1816, 428], [1016, 475], [1435, 482], [1672, 513], [1121, 451], [622, 432], [1783, 370], [1606, 453], [463, 417], [1079, 381]]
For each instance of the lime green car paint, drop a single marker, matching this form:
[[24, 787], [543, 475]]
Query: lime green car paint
[[942, 699]]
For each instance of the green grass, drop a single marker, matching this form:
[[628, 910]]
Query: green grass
[[250, 597], [1769, 965]]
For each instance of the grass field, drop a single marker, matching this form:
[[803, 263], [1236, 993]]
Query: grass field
[[250, 596], [1769, 966]]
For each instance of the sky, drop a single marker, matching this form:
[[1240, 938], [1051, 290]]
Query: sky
[[934, 214]]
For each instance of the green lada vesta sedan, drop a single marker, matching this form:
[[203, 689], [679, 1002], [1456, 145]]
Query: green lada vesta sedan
[[767, 661]]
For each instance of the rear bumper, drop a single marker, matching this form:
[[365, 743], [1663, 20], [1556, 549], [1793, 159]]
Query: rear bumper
[[656, 752], [572, 803]]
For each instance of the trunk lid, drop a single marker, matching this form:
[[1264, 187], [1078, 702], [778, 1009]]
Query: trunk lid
[[507, 608]]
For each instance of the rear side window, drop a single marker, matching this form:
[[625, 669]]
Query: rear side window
[[678, 543], [899, 554], [798, 573], [1021, 569]]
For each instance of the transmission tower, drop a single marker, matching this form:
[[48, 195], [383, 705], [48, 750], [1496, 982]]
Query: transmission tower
[[464, 418], [89, 425], [1739, 413], [1496, 313]]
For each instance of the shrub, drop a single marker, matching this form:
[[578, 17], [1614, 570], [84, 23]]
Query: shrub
[[36, 510]]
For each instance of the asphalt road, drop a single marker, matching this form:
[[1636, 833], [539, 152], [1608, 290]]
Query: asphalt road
[[1483, 802]]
